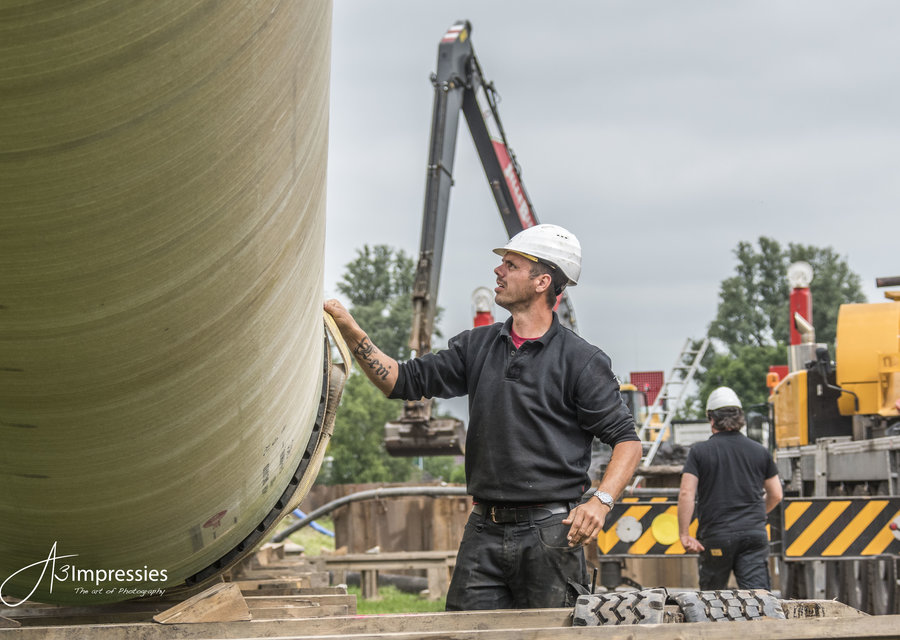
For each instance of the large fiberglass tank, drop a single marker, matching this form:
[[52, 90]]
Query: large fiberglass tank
[[162, 215]]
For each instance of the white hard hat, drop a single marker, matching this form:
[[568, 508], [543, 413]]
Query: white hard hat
[[722, 397], [551, 244]]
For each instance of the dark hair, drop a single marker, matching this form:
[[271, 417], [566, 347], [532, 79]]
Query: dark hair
[[558, 280], [727, 418]]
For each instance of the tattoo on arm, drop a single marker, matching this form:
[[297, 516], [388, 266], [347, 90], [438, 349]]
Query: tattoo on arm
[[365, 353]]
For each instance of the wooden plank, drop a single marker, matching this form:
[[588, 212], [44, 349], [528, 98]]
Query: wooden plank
[[138, 611], [447, 621], [270, 553], [437, 564], [819, 609], [343, 626], [392, 561], [269, 573], [336, 603], [393, 565], [368, 581], [336, 590], [300, 569], [260, 575], [339, 577], [6, 623], [220, 603], [258, 602], [32, 614], [874, 627], [396, 555], [312, 611], [503, 625], [318, 579], [276, 571], [66, 621], [71, 611], [306, 595], [438, 582], [293, 549], [273, 583], [534, 624], [282, 564], [278, 592]]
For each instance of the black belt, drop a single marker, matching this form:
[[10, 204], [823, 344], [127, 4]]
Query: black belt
[[506, 515]]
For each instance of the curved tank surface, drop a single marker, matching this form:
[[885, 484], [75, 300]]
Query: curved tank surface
[[162, 214]]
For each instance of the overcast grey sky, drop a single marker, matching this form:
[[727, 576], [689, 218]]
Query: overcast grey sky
[[661, 133]]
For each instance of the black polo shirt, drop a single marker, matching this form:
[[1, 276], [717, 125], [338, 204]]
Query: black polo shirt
[[533, 412], [731, 469]]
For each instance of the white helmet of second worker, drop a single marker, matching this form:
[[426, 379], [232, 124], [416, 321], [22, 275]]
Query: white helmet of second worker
[[721, 398], [550, 244]]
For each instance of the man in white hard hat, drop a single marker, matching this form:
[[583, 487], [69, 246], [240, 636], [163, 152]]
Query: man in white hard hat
[[538, 396], [735, 483]]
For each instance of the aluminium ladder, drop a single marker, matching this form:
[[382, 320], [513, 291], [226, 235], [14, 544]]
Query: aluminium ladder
[[668, 401]]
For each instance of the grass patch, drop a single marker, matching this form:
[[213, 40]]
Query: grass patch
[[311, 540], [392, 600]]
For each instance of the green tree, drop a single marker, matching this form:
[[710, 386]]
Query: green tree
[[749, 300], [378, 285], [744, 370], [754, 303], [356, 446], [751, 329], [445, 468]]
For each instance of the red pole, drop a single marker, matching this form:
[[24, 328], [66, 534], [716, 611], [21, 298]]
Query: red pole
[[483, 306], [801, 302], [483, 318]]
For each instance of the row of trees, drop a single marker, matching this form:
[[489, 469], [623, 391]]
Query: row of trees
[[749, 333]]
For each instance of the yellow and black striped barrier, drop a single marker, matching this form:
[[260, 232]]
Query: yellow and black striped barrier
[[811, 528], [647, 527], [829, 528]]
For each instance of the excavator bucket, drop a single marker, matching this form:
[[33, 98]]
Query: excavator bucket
[[416, 433]]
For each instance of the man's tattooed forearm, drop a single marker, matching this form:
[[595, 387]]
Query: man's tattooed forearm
[[364, 349], [365, 353]]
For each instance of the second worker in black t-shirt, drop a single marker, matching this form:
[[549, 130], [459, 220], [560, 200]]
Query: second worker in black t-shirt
[[735, 483]]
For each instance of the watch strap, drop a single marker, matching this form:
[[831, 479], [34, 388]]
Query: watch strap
[[604, 498]]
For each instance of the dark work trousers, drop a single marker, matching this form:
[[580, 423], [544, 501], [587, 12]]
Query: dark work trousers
[[745, 553], [521, 565]]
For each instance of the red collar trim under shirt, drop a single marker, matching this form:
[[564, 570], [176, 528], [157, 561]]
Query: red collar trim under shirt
[[518, 340]]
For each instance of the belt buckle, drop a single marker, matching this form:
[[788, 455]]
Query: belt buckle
[[494, 515]]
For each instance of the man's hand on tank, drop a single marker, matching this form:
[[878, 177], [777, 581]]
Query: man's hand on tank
[[337, 311], [344, 321]]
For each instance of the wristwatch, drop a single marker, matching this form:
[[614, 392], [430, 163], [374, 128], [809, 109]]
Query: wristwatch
[[604, 498]]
